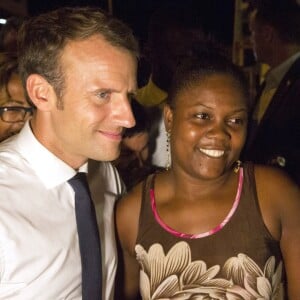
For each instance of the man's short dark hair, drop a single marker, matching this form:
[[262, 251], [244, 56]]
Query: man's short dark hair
[[42, 39]]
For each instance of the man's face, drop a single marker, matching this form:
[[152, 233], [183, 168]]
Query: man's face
[[258, 39], [99, 81], [12, 95]]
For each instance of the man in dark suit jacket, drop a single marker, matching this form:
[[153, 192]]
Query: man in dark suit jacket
[[274, 130]]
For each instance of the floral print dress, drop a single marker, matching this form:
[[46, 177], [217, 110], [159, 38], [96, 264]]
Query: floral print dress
[[238, 259]]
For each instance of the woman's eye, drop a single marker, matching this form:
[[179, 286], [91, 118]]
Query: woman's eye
[[202, 116], [236, 121]]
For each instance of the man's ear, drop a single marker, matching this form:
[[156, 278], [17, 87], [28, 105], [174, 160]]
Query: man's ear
[[168, 117], [40, 92]]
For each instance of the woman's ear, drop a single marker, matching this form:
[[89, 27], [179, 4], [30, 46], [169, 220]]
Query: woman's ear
[[40, 92], [168, 117]]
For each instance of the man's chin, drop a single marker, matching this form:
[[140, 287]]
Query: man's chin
[[113, 155]]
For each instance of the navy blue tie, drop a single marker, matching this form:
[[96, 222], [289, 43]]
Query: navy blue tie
[[89, 242]]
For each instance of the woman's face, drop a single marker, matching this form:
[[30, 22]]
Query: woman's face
[[12, 95], [208, 127]]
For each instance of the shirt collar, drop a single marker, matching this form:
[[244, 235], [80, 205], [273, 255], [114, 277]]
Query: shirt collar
[[274, 76], [51, 170]]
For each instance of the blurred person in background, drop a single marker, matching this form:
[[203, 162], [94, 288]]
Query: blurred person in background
[[134, 162], [14, 108], [274, 127], [9, 33]]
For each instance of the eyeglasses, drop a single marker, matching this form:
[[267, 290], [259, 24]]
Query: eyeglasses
[[14, 114]]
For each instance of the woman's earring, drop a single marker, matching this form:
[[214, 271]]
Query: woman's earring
[[168, 165], [237, 166]]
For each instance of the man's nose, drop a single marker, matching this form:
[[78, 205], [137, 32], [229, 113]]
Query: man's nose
[[125, 115]]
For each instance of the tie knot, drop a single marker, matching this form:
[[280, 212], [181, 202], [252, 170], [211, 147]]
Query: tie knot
[[78, 176]]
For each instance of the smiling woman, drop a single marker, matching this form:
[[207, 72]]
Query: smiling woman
[[207, 108], [210, 227]]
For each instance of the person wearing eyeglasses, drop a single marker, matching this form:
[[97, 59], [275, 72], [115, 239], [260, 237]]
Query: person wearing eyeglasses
[[14, 108]]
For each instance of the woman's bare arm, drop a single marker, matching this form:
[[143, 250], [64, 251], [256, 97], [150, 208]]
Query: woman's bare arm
[[127, 220], [279, 199]]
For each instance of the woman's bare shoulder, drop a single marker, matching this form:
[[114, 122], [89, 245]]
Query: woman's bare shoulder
[[273, 179], [276, 188], [127, 218], [132, 198], [278, 198]]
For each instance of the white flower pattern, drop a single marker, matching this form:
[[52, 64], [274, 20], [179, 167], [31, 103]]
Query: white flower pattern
[[176, 276]]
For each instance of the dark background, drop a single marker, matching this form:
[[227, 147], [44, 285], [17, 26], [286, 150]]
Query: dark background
[[136, 12]]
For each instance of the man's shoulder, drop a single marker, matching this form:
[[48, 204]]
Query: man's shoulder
[[15, 175], [294, 70], [10, 158]]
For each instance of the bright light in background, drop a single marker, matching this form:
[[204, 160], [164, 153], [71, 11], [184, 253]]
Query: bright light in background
[[3, 21]]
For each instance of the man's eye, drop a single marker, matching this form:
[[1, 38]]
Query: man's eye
[[202, 116], [104, 95]]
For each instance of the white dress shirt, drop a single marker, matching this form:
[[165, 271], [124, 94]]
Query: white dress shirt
[[39, 249], [160, 155]]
